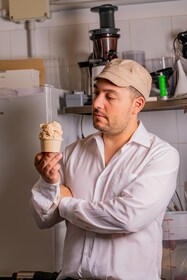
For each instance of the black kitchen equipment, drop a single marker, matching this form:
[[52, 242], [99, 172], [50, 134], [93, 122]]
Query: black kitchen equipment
[[35, 275], [104, 46], [105, 38], [182, 39], [167, 72]]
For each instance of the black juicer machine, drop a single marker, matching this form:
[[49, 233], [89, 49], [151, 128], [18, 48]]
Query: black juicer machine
[[104, 45], [105, 38]]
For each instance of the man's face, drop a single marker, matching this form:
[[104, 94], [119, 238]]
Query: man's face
[[112, 108]]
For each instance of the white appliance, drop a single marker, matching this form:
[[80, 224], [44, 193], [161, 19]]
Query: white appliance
[[24, 247]]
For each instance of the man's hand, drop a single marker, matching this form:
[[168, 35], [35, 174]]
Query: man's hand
[[47, 164], [65, 192]]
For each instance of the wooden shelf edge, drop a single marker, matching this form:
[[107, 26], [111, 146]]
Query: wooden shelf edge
[[160, 105], [170, 104]]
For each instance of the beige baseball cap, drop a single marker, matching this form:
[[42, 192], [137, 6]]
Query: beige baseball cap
[[124, 73]]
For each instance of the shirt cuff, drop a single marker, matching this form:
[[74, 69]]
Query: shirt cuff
[[46, 195], [48, 190]]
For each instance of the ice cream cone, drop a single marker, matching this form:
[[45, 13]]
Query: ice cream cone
[[48, 145]]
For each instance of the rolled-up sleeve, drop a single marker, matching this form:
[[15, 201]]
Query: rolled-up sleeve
[[44, 202]]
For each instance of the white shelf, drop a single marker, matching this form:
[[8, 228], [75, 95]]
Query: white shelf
[[78, 4]]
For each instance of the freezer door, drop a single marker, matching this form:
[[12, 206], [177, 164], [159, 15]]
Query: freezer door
[[22, 245]]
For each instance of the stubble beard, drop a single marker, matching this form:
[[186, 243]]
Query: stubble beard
[[112, 128]]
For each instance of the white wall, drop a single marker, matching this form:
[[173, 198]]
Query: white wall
[[149, 27]]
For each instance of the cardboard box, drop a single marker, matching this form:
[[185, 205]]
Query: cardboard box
[[11, 79], [20, 10], [20, 64]]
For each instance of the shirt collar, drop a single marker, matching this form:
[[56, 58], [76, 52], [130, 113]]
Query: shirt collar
[[140, 136]]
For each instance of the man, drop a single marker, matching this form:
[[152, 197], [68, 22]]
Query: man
[[115, 185]]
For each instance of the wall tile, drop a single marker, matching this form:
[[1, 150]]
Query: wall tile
[[179, 23], [124, 40], [70, 17], [52, 71], [152, 36], [74, 78], [71, 42], [87, 126], [5, 45], [161, 123], [182, 148], [6, 25], [182, 126], [176, 146], [151, 10], [42, 45], [18, 43]]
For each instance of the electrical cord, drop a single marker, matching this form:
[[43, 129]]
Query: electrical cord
[[82, 133], [182, 39]]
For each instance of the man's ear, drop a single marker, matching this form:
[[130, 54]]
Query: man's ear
[[138, 104]]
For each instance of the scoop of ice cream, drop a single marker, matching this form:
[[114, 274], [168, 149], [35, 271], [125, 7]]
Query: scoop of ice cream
[[51, 130]]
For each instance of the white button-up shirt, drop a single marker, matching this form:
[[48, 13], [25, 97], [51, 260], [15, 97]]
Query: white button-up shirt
[[114, 220]]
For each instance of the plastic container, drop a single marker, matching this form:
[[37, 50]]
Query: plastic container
[[75, 100], [50, 145], [155, 64], [138, 56], [174, 261]]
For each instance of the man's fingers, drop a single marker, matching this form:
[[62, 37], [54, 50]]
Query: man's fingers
[[44, 160], [48, 166], [50, 162], [38, 158]]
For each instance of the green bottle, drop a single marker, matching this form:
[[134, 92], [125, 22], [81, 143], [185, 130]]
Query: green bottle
[[162, 85]]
